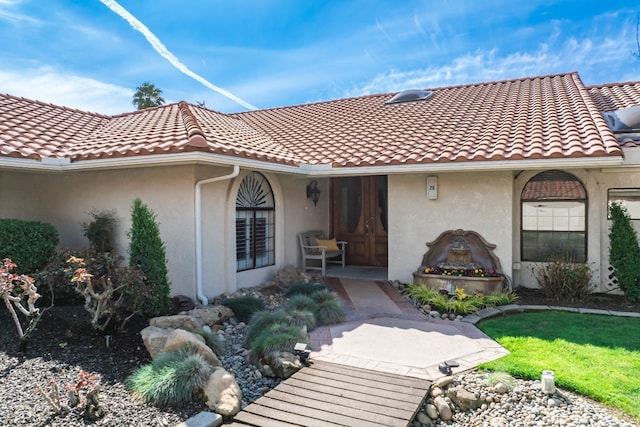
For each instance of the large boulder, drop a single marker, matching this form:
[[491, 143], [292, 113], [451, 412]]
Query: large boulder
[[282, 364], [213, 315], [180, 338], [463, 399], [154, 339], [178, 321], [289, 276], [222, 393]]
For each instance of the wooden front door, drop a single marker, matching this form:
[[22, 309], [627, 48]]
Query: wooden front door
[[359, 217]]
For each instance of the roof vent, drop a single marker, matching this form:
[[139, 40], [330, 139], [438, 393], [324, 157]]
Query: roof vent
[[410, 95], [624, 119]]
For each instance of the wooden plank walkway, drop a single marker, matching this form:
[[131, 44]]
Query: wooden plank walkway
[[330, 395]]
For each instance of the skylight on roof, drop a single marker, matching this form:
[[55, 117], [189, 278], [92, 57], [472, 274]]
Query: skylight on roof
[[410, 95]]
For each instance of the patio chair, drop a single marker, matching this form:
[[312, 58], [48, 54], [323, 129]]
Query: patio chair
[[316, 247]]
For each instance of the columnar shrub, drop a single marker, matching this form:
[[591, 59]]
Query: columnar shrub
[[29, 244], [624, 252], [147, 253]]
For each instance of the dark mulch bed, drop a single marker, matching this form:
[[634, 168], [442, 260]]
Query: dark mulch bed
[[62, 345], [611, 302]]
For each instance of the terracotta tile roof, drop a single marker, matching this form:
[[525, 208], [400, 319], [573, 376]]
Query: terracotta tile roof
[[32, 129], [533, 118], [525, 119]]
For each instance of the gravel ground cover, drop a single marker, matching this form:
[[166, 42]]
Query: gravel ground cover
[[64, 344]]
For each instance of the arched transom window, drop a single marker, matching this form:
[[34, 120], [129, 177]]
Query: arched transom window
[[255, 223], [554, 217]]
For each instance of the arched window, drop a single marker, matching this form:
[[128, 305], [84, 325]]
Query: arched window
[[255, 223], [554, 217]]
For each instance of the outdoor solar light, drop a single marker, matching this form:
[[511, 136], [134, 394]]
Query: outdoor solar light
[[301, 350], [548, 382], [313, 192]]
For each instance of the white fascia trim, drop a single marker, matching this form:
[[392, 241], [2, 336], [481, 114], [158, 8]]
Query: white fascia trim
[[312, 170]]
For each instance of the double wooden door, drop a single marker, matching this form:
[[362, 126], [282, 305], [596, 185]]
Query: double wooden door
[[359, 217]]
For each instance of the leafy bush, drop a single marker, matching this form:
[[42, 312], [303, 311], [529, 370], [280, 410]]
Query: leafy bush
[[53, 280], [172, 378], [29, 244], [112, 293], [563, 278], [147, 253], [212, 340], [304, 289], [101, 230], [624, 252], [243, 307]]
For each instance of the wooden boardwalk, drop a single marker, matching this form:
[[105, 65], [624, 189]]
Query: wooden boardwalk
[[330, 395]]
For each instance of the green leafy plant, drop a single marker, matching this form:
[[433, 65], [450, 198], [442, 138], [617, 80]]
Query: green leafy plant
[[243, 307], [459, 303], [55, 277], [19, 292], [147, 253], [624, 252], [563, 278], [101, 230], [174, 377], [497, 377], [29, 244]]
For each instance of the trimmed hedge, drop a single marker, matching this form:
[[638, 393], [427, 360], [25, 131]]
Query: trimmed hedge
[[29, 244]]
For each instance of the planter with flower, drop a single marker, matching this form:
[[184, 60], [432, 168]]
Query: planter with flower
[[460, 259]]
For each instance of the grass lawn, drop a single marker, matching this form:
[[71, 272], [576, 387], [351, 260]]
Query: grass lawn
[[596, 356]]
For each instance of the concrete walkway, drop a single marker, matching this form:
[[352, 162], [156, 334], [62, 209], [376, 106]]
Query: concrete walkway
[[384, 332]]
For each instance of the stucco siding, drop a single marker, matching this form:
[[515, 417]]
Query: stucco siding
[[481, 202]]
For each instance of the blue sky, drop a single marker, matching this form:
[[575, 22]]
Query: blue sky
[[238, 54]]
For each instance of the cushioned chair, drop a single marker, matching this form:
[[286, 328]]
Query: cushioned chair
[[316, 247]]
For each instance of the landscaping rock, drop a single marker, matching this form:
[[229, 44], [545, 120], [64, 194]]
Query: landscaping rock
[[178, 321], [212, 316], [463, 399], [180, 338], [431, 411], [282, 364], [444, 411], [154, 339], [222, 393]]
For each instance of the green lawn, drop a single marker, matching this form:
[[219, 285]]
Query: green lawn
[[596, 356]]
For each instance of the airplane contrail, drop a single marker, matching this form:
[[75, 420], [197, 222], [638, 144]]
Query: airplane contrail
[[166, 54]]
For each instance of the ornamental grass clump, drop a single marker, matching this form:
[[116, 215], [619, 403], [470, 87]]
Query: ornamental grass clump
[[277, 337], [244, 307], [262, 320], [304, 289], [174, 377], [328, 309], [212, 340], [301, 303]]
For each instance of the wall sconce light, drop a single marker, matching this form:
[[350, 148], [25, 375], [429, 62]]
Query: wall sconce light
[[313, 192]]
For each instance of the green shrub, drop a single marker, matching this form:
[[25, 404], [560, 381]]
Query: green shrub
[[329, 312], [460, 303], [147, 252], [261, 320], [300, 303], [563, 279], [173, 377], [243, 307], [277, 337], [323, 295], [101, 230], [29, 244], [624, 252], [304, 289], [212, 340]]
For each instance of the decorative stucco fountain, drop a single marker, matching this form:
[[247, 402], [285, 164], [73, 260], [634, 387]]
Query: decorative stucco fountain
[[460, 259]]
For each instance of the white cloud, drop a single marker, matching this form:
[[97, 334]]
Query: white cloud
[[47, 85]]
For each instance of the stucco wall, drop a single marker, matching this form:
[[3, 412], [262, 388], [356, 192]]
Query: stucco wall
[[481, 202]]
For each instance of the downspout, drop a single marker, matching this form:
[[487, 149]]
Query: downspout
[[198, 218]]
